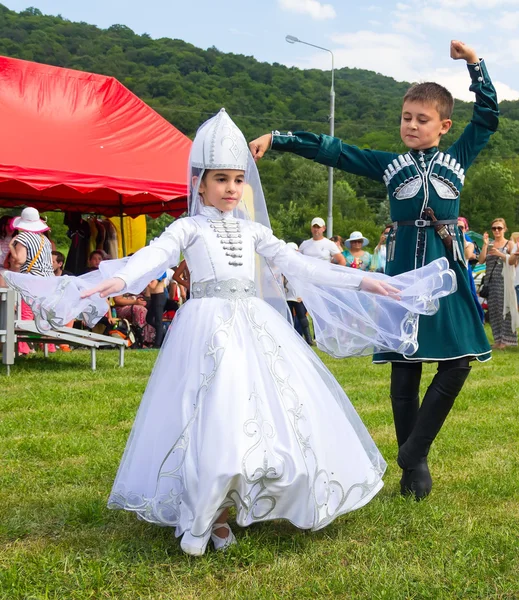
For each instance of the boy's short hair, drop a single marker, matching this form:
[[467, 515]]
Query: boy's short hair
[[432, 93], [60, 257]]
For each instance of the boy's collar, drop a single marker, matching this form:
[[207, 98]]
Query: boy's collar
[[427, 152]]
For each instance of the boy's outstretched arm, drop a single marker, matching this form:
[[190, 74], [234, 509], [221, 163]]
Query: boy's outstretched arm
[[485, 117], [326, 150]]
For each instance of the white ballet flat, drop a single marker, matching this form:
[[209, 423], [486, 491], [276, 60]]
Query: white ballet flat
[[195, 545], [222, 543]]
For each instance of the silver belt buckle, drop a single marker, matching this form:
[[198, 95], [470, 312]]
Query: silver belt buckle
[[421, 222]]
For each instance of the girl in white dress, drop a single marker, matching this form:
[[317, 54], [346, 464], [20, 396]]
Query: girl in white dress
[[239, 410]]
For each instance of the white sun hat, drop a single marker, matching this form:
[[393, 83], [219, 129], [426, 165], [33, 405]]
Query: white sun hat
[[354, 236], [30, 220]]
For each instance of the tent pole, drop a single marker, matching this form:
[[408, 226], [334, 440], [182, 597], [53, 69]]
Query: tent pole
[[121, 216]]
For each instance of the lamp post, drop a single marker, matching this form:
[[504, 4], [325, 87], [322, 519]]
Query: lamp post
[[329, 225]]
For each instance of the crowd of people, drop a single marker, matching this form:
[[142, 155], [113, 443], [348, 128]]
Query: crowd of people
[[26, 246]]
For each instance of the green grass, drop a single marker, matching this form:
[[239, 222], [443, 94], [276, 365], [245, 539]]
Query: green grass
[[62, 432]]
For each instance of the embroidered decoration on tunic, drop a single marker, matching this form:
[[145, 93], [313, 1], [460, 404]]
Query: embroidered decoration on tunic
[[402, 174], [447, 177]]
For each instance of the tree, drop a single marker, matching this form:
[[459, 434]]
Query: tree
[[491, 191]]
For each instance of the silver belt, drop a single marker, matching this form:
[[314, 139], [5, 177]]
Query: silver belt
[[230, 289]]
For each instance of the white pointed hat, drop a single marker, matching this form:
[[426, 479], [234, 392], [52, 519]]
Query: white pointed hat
[[219, 144]]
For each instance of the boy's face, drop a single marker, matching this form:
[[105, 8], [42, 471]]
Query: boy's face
[[95, 260], [222, 189], [55, 264], [421, 126]]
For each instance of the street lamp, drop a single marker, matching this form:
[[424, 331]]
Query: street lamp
[[293, 40]]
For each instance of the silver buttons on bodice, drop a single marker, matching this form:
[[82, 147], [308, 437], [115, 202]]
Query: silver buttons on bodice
[[229, 234], [421, 158]]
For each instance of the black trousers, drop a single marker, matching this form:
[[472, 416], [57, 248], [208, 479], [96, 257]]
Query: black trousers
[[418, 425], [299, 309], [154, 316]]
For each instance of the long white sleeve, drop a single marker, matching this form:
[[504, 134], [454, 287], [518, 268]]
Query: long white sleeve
[[152, 261]]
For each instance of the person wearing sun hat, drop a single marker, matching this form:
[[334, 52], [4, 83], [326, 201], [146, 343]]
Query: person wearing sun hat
[[355, 256], [31, 252], [30, 248]]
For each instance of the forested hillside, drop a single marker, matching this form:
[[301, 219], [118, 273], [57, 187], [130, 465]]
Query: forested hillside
[[187, 84]]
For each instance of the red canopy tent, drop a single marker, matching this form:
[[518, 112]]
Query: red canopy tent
[[83, 142]]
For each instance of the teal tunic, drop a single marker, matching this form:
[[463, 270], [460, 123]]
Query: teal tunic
[[416, 180]]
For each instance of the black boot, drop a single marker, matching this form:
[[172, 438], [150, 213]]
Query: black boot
[[405, 387], [436, 405]]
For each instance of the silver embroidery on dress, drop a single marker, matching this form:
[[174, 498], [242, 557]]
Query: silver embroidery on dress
[[260, 466], [166, 510], [322, 484]]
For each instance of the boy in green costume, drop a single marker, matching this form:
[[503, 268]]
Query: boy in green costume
[[424, 187]]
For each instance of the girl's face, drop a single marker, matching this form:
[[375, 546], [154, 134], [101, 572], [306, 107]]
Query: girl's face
[[222, 189]]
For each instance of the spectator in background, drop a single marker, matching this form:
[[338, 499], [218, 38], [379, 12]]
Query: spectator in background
[[355, 256], [378, 262], [297, 308], [338, 241], [133, 308], [30, 252], [58, 262], [471, 256], [30, 248], [6, 234], [183, 278], [495, 254], [156, 308], [95, 259], [320, 247], [515, 239]]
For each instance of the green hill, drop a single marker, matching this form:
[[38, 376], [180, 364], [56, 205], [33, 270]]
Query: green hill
[[187, 84]]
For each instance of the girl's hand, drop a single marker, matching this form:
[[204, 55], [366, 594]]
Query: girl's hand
[[485, 238], [373, 286], [259, 146], [110, 287]]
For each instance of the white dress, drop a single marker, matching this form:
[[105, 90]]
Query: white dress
[[239, 410]]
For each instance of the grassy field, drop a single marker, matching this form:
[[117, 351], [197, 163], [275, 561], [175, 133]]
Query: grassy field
[[62, 432]]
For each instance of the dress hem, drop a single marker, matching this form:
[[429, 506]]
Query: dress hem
[[361, 503], [428, 359]]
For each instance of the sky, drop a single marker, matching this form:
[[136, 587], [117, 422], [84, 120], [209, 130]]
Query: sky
[[406, 40]]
